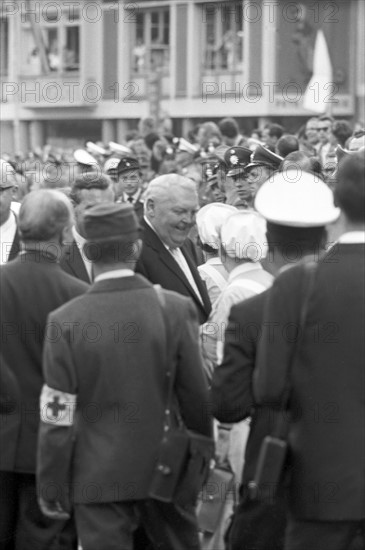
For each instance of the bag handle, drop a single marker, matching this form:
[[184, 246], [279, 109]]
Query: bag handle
[[282, 426]]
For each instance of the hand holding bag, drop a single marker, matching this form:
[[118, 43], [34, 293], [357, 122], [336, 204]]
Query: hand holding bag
[[184, 456]]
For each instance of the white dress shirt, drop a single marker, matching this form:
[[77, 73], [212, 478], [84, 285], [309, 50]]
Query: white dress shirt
[[7, 234], [180, 260], [80, 242]]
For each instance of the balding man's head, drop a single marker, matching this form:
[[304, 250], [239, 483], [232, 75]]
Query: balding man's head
[[171, 202], [44, 216]]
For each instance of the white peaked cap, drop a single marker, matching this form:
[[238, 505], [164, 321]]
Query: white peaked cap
[[96, 149], [111, 164], [6, 168], [243, 236], [83, 157], [118, 148], [296, 199], [210, 219], [186, 146]]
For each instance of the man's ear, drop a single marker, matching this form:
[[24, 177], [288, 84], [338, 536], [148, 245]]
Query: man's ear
[[150, 208]]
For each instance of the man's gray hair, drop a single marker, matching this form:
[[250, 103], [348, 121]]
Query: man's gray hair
[[44, 214], [163, 187]]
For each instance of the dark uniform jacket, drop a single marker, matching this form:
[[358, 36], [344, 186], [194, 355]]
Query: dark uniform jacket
[[327, 380], [111, 360], [9, 415], [32, 285], [158, 266]]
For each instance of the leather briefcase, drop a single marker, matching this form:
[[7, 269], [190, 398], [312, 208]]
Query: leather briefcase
[[218, 489]]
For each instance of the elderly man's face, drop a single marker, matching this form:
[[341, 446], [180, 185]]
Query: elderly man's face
[[173, 217]]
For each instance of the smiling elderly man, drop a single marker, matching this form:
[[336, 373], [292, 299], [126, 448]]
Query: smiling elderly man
[[170, 205]]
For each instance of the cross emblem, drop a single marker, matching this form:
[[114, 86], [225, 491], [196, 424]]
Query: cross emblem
[[56, 406]]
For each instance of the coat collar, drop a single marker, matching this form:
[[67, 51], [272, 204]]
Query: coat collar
[[135, 282]]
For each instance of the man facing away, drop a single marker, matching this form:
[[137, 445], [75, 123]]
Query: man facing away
[[103, 460], [325, 372], [32, 285]]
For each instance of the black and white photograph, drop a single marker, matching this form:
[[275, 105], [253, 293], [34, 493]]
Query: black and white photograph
[[182, 275]]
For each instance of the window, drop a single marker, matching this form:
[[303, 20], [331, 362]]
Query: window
[[59, 32], [4, 45], [223, 35], [151, 48]]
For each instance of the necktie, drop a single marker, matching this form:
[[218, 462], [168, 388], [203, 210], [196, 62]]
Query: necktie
[[182, 263], [130, 199]]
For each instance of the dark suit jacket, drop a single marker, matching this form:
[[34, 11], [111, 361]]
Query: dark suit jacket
[[9, 415], [71, 262], [159, 267], [119, 375], [15, 247], [32, 285], [327, 401], [231, 389]]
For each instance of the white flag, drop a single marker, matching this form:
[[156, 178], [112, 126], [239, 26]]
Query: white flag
[[319, 93]]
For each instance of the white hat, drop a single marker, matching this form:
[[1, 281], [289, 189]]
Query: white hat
[[186, 146], [296, 199], [91, 147], [83, 157], [118, 148], [6, 170], [243, 236], [210, 219], [111, 164]]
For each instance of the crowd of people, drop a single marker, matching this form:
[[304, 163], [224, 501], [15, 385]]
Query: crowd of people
[[212, 283]]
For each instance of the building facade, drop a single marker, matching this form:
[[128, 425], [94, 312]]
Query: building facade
[[83, 70]]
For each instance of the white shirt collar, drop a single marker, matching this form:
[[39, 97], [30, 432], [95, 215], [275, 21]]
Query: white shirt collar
[[352, 237], [214, 261], [10, 222], [115, 274], [79, 239], [135, 197], [7, 234], [244, 268], [80, 242]]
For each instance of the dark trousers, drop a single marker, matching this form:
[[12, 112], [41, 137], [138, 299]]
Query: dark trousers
[[111, 525], [257, 525], [22, 524], [325, 535]]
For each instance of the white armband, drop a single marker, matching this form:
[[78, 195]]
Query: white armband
[[57, 407]]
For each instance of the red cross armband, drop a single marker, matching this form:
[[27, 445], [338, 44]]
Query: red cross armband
[[57, 407]]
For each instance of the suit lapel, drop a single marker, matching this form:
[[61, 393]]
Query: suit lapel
[[152, 240], [15, 247], [155, 242], [75, 262]]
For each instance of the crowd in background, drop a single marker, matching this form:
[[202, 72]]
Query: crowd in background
[[217, 217]]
